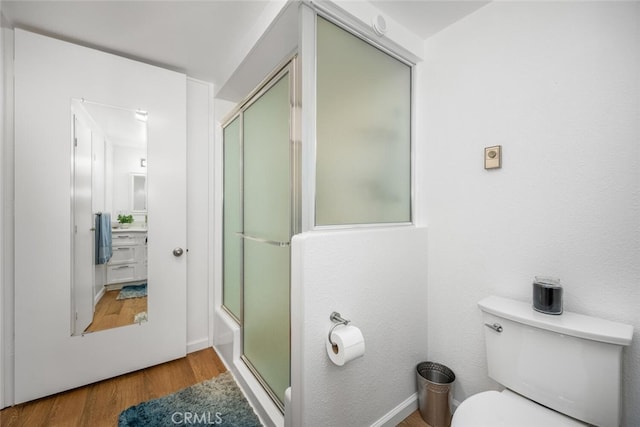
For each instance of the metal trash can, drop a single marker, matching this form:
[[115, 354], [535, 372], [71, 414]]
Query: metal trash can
[[435, 382]]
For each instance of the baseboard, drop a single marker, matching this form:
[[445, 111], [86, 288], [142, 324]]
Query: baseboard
[[399, 413], [198, 345], [118, 286], [97, 298]]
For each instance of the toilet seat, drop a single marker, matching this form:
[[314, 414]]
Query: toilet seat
[[507, 409]]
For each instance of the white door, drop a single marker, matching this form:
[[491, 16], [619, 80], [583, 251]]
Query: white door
[[82, 279], [48, 75]]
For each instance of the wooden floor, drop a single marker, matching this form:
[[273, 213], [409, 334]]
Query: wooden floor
[[112, 313], [100, 404], [413, 420]]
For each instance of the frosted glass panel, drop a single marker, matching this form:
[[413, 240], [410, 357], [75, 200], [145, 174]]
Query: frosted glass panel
[[266, 313], [267, 217], [232, 242], [363, 169], [267, 183]]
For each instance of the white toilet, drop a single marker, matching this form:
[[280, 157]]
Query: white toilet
[[558, 370]]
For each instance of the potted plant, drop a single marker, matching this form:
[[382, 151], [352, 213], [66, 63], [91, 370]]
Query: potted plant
[[125, 220]]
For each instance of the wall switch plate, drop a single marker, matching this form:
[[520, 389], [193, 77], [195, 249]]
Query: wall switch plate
[[493, 157]]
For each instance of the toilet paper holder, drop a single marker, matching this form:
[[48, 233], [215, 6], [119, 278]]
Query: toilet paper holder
[[338, 320]]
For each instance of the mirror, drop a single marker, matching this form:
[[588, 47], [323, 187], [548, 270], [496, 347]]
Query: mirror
[[109, 217], [139, 191]]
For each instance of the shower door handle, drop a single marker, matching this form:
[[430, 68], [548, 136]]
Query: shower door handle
[[261, 240]]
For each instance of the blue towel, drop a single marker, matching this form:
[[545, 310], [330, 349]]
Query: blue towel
[[103, 238]]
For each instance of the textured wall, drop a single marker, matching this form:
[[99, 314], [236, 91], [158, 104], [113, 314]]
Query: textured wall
[[377, 279], [557, 85]]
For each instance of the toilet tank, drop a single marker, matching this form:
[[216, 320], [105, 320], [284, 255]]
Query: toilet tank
[[571, 363]]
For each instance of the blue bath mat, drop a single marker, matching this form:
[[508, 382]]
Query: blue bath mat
[[133, 291], [217, 401]]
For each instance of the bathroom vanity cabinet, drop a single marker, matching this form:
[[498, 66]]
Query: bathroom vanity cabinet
[[129, 260]]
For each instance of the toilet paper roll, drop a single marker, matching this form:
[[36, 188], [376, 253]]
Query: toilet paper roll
[[348, 344]]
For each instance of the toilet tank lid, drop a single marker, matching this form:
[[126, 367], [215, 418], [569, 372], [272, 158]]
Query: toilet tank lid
[[574, 324]]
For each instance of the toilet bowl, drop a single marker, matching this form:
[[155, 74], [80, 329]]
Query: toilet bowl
[[507, 409], [557, 370]]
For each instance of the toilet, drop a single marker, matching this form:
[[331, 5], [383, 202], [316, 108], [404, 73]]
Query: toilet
[[558, 370]]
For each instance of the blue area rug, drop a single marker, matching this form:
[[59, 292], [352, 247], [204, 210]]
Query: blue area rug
[[218, 402], [133, 291]]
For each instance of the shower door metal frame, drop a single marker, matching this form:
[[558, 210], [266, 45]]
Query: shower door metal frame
[[289, 67], [236, 114]]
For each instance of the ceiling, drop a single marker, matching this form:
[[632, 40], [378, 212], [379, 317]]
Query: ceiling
[[426, 17], [199, 38]]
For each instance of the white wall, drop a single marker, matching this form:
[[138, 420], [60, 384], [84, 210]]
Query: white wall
[[7, 220], [2, 203], [556, 84], [377, 279], [199, 232]]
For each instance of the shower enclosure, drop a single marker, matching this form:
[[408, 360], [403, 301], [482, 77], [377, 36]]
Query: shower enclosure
[[350, 168]]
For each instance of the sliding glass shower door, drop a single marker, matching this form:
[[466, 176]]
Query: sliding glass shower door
[[267, 230], [262, 304]]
